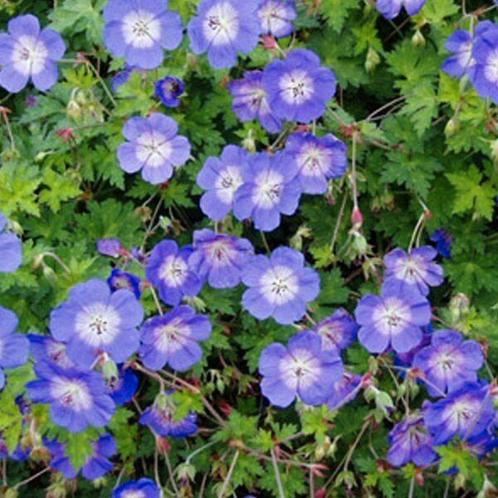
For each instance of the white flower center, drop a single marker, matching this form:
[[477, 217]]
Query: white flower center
[[153, 149], [268, 189], [313, 161], [462, 414], [172, 336], [464, 56], [296, 87], [392, 316], [273, 17], [29, 55], [174, 271], [97, 324], [410, 270], [221, 24], [220, 252], [299, 369], [279, 285], [227, 183], [57, 353], [331, 334], [141, 29], [133, 494], [72, 394], [491, 67]]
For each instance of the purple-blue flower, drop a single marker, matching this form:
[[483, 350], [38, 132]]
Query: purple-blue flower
[[301, 369], [461, 62], [172, 339], [344, 390], [485, 53], [95, 466], [319, 159], [160, 418], [122, 77], [123, 387], [140, 31], [392, 319], [413, 271], [10, 248], [46, 349], [120, 279], [110, 247], [77, 399], [271, 189], [443, 241], [224, 28], [406, 359], [153, 147], [219, 258], [14, 348], [449, 362], [391, 8], [168, 271], [276, 17], [409, 442], [299, 87], [250, 101], [467, 413], [337, 331], [28, 52], [143, 488], [168, 91], [279, 286], [94, 320], [221, 178]]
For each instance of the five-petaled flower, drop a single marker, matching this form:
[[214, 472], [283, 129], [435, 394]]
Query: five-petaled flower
[[301, 369], [276, 17], [140, 31], [279, 286], [154, 147], [27, 52], [10, 248]]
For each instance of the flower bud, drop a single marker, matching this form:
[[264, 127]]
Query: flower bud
[[269, 43], [452, 126], [418, 39], [162, 445], [494, 150], [356, 218], [459, 307], [372, 60], [11, 493]]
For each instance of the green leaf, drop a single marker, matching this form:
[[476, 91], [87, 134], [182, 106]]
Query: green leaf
[[422, 107], [60, 188], [336, 12]]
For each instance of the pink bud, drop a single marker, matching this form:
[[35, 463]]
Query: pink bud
[[66, 134], [357, 217], [269, 43]]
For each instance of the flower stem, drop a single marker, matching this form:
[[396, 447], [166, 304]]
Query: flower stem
[[281, 492], [226, 482]]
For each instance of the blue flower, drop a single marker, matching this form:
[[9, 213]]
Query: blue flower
[[299, 87], [250, 101], [461, 62], [392, 319], [122, 77], [168, 90], [344, 390], [154, 147], [318, 160], [120, 279], [160, 418], [29, 53], [443, 241], [96, 465], [302, 369], [172, 339], [46, 349], [271, 189], [409, 442], [413, 271], [223, 28], [143, 488], [140, 31], [338, 331], [449, 362], [95, 320], [221, 178], [279, 286], [168, 271], [467, 413], [14, 348], [10, 248], [77, 399], [391, 8], [110, 247], [276, 17], [123, 387], [485, 54], [219, 258]]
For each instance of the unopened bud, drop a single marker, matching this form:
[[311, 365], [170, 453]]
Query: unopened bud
[[372, 60], [452, 126], [269, 43], [459, 307], [356, 218], [162, 445], [418, 38]]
